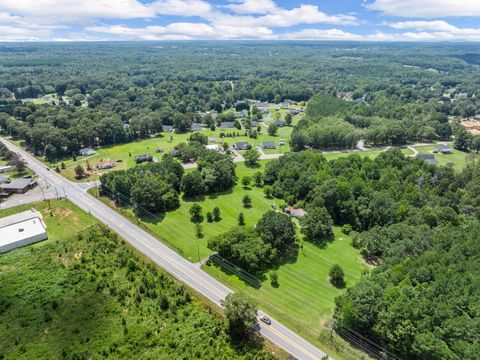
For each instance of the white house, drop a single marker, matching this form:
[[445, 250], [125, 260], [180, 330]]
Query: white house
[[21, 229]]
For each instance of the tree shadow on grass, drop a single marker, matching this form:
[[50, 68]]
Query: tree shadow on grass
[[214, 196]]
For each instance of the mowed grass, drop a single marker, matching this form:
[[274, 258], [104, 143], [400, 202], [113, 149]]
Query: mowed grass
[[305, 298], [124, 154], [458, 159]]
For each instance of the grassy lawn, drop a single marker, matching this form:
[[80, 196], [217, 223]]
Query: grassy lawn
[[304, 299], [458, 159]]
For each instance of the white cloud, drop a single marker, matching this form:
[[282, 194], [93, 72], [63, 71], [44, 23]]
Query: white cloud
[[426, 8], [438, 25], [183, 31], [252, 6], [76, 11], [317, 34], [182, 7]]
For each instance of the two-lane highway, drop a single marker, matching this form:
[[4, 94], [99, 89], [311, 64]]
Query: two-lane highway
[[162, 255]]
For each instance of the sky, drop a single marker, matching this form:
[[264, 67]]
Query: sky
[[358, 20]]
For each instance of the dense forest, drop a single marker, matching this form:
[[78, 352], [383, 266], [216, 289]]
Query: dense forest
[[103, 94], [419, 224]]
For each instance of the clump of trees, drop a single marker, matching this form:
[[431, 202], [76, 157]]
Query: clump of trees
[[255, 249]]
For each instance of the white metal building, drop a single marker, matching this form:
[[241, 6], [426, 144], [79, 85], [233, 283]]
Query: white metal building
[[21, 229]]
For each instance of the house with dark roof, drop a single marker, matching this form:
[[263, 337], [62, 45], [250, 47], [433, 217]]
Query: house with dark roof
[[18, 186], [443, 149], [242, 145], [196, 127], [253, 124], [86, 152], [267, 145], [167, 128], [428, 158], [143, 158], [227, 125], [281, 123]]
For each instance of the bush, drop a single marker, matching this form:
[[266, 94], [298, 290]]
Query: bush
[[336, 275]]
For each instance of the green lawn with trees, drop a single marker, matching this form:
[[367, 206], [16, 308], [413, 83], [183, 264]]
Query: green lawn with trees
[[458, 158]]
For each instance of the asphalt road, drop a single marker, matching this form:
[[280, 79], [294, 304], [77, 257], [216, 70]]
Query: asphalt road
[[169, 260]]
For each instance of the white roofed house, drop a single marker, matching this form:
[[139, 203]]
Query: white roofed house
[[22, 229]]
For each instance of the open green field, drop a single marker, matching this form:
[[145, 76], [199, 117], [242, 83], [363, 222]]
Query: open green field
[[91, 297], [304, 301], [458, 159]]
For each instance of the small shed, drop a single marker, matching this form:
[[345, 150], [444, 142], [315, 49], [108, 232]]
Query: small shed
[[87, 152]]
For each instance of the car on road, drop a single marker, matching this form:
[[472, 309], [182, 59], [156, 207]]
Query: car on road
[[266, 320]]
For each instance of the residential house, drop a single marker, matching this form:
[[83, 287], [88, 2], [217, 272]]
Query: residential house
[[87, 152], [443, 149], [143, 158], [297, 213], [242, 145], [227, 125], [428, 158], [253, 124], [167, 128], [105, 165], [281, 123], [196, 127], [18, 186], [267, 145]]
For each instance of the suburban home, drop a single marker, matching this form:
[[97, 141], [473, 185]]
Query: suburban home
[[143, 158], [253, 124], [267, 145], [281, 123], [104, 165], [243, 145], [428, 158], [6, 168], [86, 152], [18, 186], [444, 149], [296, 213], [196, 127], [167, 128], [227, 125], [292, 111], [22, 229], [241, 115], [213, 147]]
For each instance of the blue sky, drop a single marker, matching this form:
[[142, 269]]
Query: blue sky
[[362, 20]]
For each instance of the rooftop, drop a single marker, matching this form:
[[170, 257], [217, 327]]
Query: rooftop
[[18, 184]]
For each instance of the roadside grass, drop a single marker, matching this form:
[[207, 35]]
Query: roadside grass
[[304, 299], [458, 159], [75, 297]]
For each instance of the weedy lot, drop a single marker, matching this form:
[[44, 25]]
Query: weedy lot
[[88, 296]]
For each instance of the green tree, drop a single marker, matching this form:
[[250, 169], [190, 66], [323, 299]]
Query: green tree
[[246, 180], [240, 311], [192, 183], [278, 230], [258, 178], [247, 201], [251, 157], [337, 276], [272, 129], [217, 215], [267, 190], [196, 213], [79, 172], [288, 119], [241, 219], [209, 217], [274, 279], [317, 224]]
